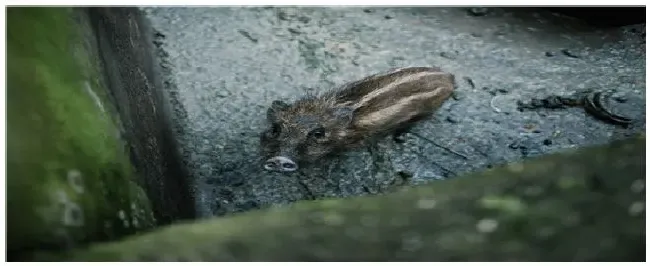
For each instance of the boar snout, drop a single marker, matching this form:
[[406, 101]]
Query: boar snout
[[280, 164]]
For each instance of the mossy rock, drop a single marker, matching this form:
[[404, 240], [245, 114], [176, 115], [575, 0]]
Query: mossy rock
[[69, 180], [585, 205]]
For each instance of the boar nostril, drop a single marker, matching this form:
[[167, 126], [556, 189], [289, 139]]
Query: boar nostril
[[289, 166], [270, 165], [280, 163]]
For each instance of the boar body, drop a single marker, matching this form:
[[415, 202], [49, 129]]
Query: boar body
[[319, 125]]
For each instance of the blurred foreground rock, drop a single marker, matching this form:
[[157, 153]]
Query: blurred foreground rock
[[585, 205]]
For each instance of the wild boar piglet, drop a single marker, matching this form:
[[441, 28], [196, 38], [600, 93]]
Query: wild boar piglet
[[315, 126]]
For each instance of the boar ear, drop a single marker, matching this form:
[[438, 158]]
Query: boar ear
[[276, 106], [279, 105], [344, 114]]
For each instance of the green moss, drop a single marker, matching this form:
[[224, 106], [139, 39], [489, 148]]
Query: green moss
[[469, 218], [67, 176], [510, 204]]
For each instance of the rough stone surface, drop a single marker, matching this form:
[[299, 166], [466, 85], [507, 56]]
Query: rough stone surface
[[587, 205], [69, 180], [225, 65], [125, 44]]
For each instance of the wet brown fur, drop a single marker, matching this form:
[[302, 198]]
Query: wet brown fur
[[349, 116]]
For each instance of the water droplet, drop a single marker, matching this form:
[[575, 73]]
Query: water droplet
[[504, 203], [369, 220], [638, 186], [75, 180], [333, 218], [636, 208], [516, 167], [487, 225], [426, 204]]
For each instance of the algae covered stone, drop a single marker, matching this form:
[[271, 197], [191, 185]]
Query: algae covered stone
[[68, 178], [512, 213]]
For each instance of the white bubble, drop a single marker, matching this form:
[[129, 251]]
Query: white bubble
[[426, 204], [638, 186], [516, 167], [636, 208], [369, 220], [75, 179], [487, 225], [333, 218]]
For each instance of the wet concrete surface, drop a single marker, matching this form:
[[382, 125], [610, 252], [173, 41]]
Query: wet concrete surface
[[225, 66]]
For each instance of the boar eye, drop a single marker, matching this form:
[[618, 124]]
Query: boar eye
[[318, 133], [275, 130]]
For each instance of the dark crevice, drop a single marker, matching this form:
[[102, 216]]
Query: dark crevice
[[135, 84]]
